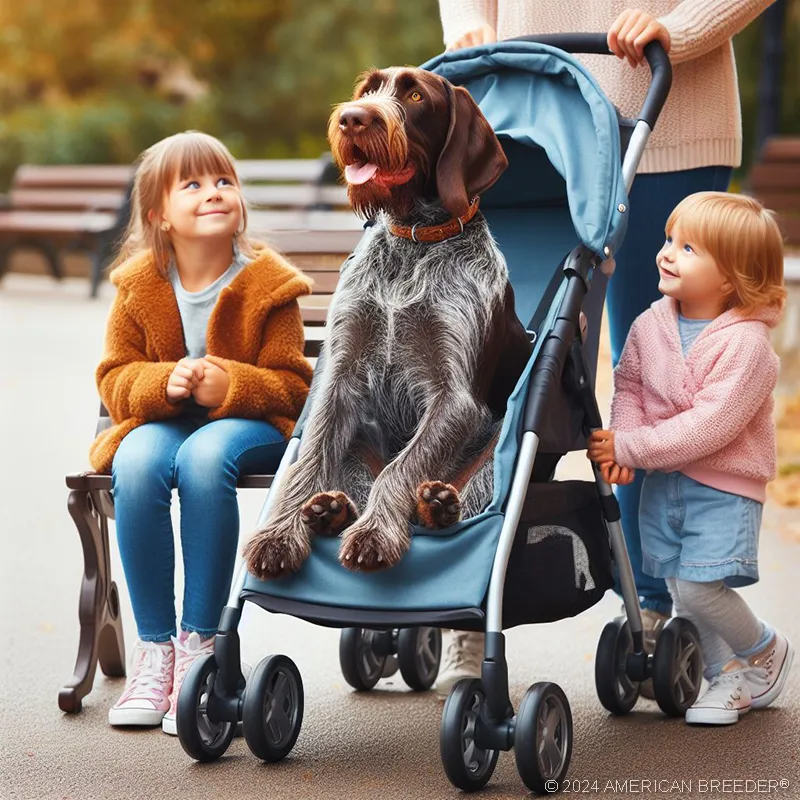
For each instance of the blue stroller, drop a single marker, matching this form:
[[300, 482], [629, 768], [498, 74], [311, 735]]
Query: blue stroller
[[543, 549]]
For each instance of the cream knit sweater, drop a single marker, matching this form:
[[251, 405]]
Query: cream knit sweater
[[701, 122]]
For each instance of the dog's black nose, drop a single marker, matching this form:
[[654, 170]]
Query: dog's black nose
[[354, 120]]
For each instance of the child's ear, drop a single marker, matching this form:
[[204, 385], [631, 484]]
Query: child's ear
[[151, 215]]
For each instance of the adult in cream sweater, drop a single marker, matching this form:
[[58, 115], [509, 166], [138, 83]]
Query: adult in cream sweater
[[694, 147]]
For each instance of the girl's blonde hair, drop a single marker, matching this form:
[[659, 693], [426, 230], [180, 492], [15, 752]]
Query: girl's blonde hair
[[177, 157], [743, 238]]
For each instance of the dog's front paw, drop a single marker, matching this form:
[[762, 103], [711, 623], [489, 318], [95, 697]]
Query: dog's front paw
[[438, 505], [276, 551], [370, 547], [328, 513]]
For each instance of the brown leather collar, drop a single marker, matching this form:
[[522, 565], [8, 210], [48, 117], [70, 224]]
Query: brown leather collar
[[436, 233]]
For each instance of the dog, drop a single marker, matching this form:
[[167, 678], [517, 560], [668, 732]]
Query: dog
[[423, 346]]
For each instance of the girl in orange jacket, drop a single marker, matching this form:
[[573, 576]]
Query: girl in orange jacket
[[203, 376]]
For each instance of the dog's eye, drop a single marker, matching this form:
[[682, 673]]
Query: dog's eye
[[416, 97]]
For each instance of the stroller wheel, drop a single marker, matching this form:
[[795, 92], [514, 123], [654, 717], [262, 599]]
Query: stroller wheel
[[273, 708], [201, 735], [419, 651], [467, 765], [361, 663], [677, 667], [543, 737], [617, 692]]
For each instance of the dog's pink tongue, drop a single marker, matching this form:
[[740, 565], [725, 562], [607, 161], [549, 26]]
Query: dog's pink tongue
[[359, 173]]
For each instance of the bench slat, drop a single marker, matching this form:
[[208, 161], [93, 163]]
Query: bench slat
[[328, 242], [88, 176], [66, 199], [775, 176], [87, 481], [300, 219], [280, 169], [53, 223], [279, 195], [781, 148]]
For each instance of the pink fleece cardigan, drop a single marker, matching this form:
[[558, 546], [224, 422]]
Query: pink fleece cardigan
[[708, 415]]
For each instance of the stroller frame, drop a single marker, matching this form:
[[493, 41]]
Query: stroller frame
[[215, 684]]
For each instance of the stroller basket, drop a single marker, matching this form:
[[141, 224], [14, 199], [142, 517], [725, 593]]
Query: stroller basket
[[560, 561]]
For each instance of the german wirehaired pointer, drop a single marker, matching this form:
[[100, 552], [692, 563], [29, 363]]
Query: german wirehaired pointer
[[423, 346]]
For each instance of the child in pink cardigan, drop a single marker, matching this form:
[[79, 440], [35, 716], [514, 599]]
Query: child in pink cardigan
[[693, 406]]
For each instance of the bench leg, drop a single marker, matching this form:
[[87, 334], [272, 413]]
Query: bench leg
[[53, 258], [98, 610], [100, 255], [5, 254]]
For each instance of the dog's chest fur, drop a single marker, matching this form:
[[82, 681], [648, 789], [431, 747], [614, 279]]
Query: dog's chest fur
[[415, 316]]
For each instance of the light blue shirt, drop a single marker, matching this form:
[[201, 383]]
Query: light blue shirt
[[196, 307], [689, 330]]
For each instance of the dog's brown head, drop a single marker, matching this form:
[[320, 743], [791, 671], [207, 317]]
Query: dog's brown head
[[409, 134]]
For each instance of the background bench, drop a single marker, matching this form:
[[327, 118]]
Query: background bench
[[775, 181], [54, 209]]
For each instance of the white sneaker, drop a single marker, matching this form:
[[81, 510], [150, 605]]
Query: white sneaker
[[769, 670], [463, 658], [186, 653], [145, 699], [727, 697]]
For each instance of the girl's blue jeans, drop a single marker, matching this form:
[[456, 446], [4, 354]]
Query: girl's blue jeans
[[203, 461], [631, 290]]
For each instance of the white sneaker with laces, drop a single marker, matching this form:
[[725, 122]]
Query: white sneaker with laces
[[186, 653], [769, 670], [145, 699], [463, 658], [727, 697]]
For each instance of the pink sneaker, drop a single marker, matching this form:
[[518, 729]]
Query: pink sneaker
[[146, 696], [186, 652]]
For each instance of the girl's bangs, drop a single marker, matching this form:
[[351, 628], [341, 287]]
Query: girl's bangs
[[195, 155]]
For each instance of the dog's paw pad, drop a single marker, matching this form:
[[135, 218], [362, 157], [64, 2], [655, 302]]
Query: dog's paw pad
[[438, 505], [272, 554], [366, 551], [328, 513]]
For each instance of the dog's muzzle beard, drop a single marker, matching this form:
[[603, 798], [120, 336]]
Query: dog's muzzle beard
[[373, 133]]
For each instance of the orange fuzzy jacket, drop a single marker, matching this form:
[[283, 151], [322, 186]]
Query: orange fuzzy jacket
[[255, 334]]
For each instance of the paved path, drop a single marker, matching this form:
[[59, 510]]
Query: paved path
[[379, 745]]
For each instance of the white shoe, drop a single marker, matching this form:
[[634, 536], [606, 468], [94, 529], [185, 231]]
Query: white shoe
[[769, 670], [463, 658], [186, 653], [727, 697], [145, 699]]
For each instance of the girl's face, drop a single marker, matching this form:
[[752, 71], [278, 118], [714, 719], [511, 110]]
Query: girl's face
[[689, 274], [203, 206]]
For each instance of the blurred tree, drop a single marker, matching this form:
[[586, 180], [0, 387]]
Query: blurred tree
[[95, 81]]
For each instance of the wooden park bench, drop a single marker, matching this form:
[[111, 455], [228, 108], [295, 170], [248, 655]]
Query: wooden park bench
[[775, 181], [56, 208], [319, 254]]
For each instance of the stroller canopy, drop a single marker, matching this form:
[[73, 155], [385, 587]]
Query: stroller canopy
[[541, 102]]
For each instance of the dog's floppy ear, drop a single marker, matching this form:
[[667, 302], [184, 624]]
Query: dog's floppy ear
[[471, 159]]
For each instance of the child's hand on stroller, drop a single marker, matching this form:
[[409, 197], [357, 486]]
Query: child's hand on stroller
[[184, 378], [631, 31], [614, 473], [213, 389], [483, 35], [600, 446]]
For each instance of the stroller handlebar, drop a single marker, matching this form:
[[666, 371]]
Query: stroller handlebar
[[597, 43]]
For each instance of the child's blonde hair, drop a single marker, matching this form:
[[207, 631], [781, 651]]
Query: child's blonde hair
[[177, 157], [743, 238]]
